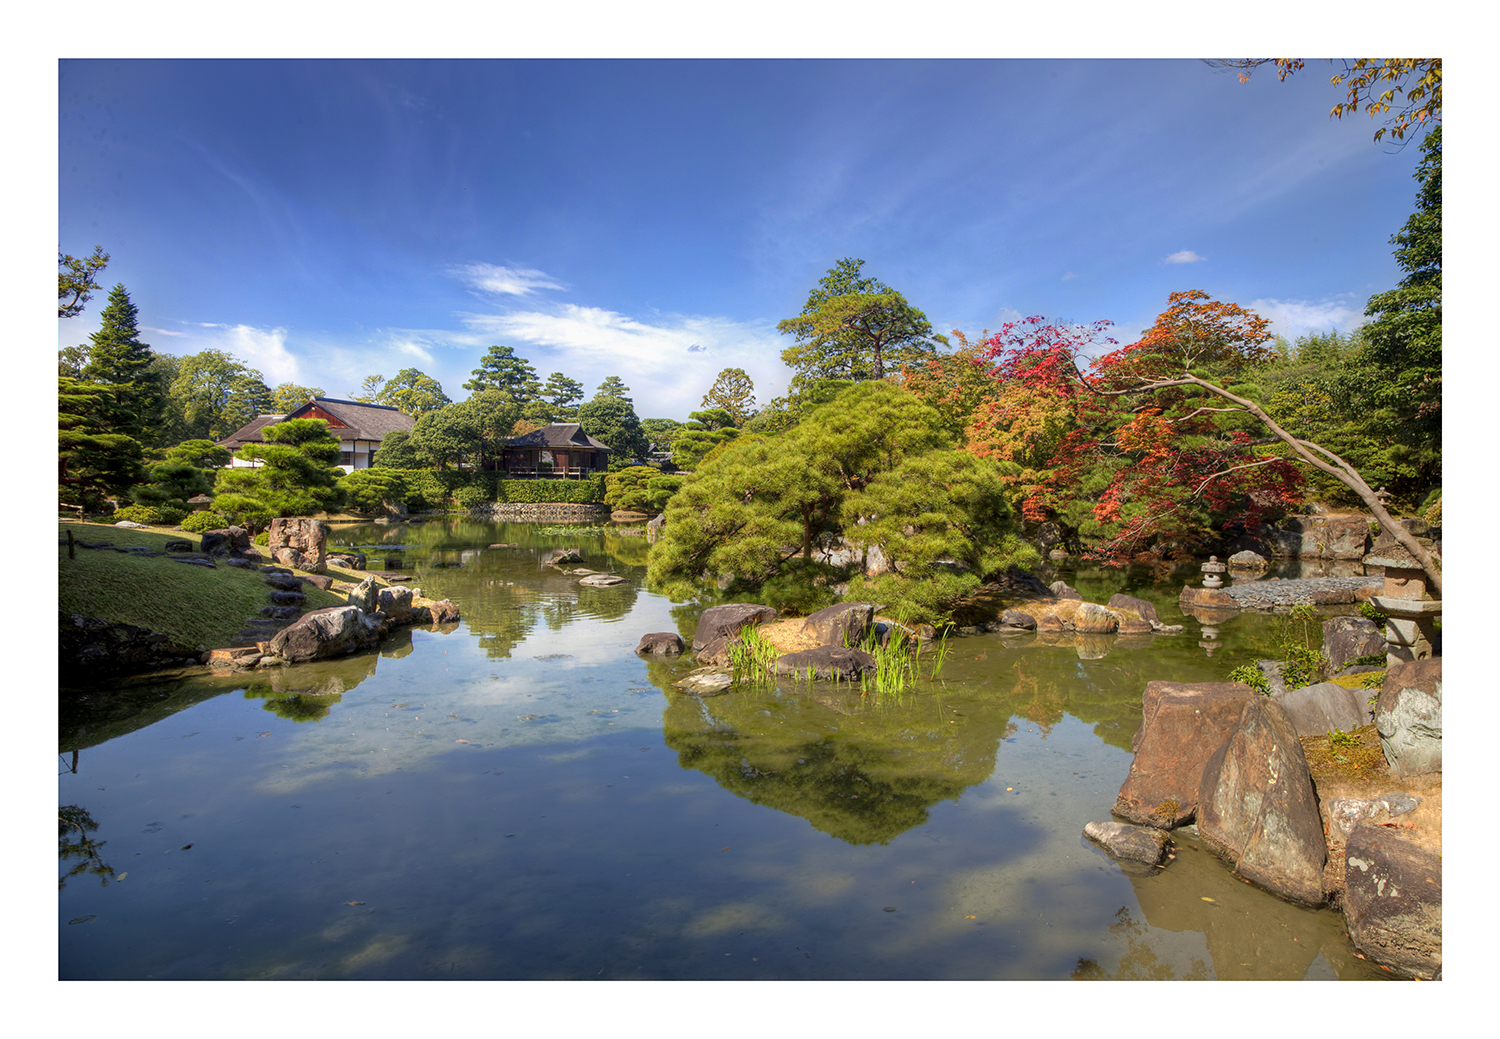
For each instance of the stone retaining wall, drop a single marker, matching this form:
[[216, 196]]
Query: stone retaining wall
[[566, 512]]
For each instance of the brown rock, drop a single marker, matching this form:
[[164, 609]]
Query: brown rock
[[1393, 900], [1093, 619], [842, 625], [1210, 598], [300, 542], [396, 603], [1345, 638], [1145, 610], [1051, 622], [1257, 808], [1182, 725]]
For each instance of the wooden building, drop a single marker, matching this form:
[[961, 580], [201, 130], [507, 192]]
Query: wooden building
[[559, 451], [359, 427]]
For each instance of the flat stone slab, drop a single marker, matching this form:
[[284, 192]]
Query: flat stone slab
[[706, 681], [1314, 591]]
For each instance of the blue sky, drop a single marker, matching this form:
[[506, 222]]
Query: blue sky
[[326, 220]]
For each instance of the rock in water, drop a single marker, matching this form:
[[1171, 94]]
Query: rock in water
[[842, 625], [1144, 844], [332, 632], [1257, 808], [728, 620], [660, 644], [827, 663], [1182, 725]]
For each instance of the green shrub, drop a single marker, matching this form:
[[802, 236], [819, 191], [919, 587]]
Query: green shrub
[[263, 538], [1369, 610], [198, 522], [1252, 676], [471, 495], [366, 490], [588, 491], [151, 515]]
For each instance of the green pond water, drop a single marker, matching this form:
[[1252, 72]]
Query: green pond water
[[519, 796]]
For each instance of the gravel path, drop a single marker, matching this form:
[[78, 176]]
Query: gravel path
[[1317, 591]]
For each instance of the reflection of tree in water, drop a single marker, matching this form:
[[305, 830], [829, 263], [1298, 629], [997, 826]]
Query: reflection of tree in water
[[74, 825], [1140, 962], [858, 771], [306, 693]]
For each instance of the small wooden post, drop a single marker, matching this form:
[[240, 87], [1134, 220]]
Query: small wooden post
[[70, 542]]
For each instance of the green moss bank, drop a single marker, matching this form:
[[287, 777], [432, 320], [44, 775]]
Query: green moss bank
[[192, 605]]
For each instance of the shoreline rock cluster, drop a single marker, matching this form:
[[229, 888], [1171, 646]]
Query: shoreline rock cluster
[[1229, 761]]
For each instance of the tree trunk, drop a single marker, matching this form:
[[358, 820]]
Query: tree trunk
[[1334, 466]]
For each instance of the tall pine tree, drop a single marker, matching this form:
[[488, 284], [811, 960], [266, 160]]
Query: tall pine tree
[[117, 357]]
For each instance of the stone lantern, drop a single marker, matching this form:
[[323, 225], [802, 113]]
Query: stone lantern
[[1406, 601], [1212, 573], [199, 502]]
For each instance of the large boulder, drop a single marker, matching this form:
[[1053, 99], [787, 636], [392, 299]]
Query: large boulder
[[1409, 717], [1393, 900], [300, 542], [1317, 709], [364, 595], [1146, 611], [229, 541], [1093, 619], [842, 625], [1347, 638], [728, 620], [828, 663], [1257, 808], [1182, 725], [333, 632], [1017, 619], [396, 603], [1063, 590], [1248, 560], [1324, 537]]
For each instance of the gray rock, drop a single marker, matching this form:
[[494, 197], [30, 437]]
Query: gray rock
[[229, 541], [827, 663], [842, 625], [1318, 709], [333, 632], [1144, 844], [1393, 900], [1063, 590], [1409, 717], [364, 595], [1257, 808], [561, 555], [1017, 619], [706, 681], [1346, 638], [396, 603], [1248, 560], [660, 644], [281, 613], [131, 525], [601, 580], [728, 620], [288, 598]]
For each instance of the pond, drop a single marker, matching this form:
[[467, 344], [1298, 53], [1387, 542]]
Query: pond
[[521, 797]]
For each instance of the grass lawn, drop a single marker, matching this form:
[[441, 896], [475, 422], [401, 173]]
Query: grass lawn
[[189, 604]]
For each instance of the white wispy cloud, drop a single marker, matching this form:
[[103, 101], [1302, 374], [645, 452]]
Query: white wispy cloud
[[1185, 256], [1293, 318], [670, 360], [161, 331], [497, 280], [264, 349]]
